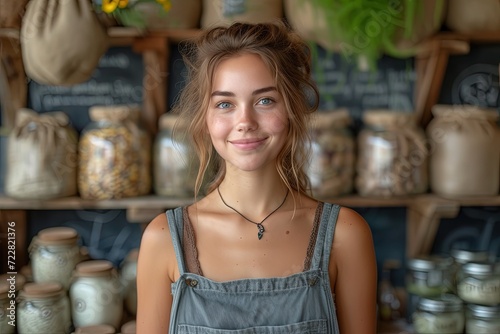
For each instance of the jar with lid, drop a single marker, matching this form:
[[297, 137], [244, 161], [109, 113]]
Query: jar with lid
[[463, 256], [439, 315], [429, 276], [54, 253], [114, 154], [43, 308], [479, 283], [331, 165], [465, 155], [7, 309], [128, 274], [175, 164], [392, 155], [96, 294], [482, 319]]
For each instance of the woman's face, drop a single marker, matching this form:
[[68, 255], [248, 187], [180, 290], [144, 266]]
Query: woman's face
[[246, 117]]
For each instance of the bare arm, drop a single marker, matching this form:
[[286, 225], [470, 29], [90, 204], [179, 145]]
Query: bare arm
[[156, 270], [354, 265]]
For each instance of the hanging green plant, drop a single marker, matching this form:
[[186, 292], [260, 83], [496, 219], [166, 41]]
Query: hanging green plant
[[369, 28], [124, 11]]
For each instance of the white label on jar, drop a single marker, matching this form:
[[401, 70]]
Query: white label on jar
[[475, 326], [440, 323], [482, 292]]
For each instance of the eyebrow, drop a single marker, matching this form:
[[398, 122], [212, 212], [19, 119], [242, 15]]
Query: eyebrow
[[255, 92]]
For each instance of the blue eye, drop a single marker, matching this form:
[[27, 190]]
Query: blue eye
[[265, 101], [223, 105]]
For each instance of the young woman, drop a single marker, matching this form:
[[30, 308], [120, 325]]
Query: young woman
[[256, 254]]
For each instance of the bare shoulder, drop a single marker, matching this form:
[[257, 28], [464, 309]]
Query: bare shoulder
[[351, 226]]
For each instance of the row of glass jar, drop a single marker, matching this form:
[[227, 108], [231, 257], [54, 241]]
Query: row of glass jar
[[97, 292]]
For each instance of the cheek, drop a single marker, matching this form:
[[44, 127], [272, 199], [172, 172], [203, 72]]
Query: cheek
[[217, 128], [279, 125]]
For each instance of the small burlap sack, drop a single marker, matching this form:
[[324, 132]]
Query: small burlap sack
[[465, 151], [469, 16], [62, 41], [225, 12], [42, 156]]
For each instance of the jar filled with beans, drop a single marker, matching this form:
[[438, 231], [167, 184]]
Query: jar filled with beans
[[175, 163], [392, 155], [114, 155], [331, 166]]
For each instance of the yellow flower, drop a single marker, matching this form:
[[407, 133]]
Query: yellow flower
[[122, 3], [167, 4], [109, 6]]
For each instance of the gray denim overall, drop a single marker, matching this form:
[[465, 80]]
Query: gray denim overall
[[296, 304]]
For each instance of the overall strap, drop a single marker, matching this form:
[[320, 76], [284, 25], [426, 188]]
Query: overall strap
[[176, 226], [322, 250]]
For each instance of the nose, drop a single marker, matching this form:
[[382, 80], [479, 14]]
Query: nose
[[247, 119]]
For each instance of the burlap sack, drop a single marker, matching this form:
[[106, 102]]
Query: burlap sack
[[465, 151], [184, 14], [42, 156], [62, 41], [225, 12], [469, 16]]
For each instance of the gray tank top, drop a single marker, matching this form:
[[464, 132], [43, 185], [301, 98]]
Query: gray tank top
[[296, 304]]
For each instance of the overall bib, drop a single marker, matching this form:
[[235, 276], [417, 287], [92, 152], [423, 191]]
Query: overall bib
[[296, 304]]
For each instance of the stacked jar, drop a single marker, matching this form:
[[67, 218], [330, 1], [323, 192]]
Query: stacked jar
[[465, 151], [114, 154], [96, 294], [462, 257], [43, 308], [54, 252], [392, 155], [331, 166], [439, 315], [175, 165]]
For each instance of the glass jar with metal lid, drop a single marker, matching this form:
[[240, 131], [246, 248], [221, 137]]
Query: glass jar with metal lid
[[175, 163], [479, 283], [392, 155], [114, 154], [54, 252], [43, 308], [463, 256], [482, 319], [439, 315], [332, 163], [429, 276]]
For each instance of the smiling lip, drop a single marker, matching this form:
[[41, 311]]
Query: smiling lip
[[248, 144]]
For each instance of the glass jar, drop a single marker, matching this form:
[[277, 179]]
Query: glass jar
[[429, 276], [175, 164], [128, 274], [54, 253], [331, 165], [96, 294], [465, 155], [440, 315], [392, 155], [43, 308], [7, 309], [114, 155], [479, 283], [463, 256], [482, 319]]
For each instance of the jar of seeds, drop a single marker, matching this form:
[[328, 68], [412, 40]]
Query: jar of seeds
[[175, 164], [482, 319], [439, 315], [392, 155], [331, 165], [479, 283], [114, 155]]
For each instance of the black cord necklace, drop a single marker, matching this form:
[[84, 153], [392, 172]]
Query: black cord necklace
[[259, 225]]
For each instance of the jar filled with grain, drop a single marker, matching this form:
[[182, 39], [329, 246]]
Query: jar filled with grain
[[54, 253], [331, 165], [482, 319], [392, 155], [439, 315], [465, 151], [479, 283], [462, 257], [114, 155], [175, 164], [43, 308]]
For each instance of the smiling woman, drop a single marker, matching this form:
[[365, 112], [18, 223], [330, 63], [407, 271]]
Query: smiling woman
[[311, 265]]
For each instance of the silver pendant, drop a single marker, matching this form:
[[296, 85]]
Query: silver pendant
[[261, 231]]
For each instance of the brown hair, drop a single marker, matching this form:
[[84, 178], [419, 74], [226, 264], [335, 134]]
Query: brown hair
[[287, 57]]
